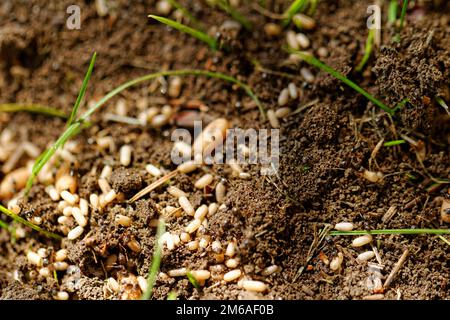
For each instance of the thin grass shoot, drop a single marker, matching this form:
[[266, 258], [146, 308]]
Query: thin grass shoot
[[32, 108], [200, 35], [390, 231], [296, 7], [392, 12], [394, 143], [444, 240], [27, 223], [402, 20], [192, 280], [156, 261], [82, 92], [367, 50], [319, 64]]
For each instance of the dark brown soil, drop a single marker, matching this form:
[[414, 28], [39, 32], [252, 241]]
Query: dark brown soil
[[324, 149]]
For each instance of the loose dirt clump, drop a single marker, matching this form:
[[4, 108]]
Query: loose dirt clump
[[126, 181], [416, 70]]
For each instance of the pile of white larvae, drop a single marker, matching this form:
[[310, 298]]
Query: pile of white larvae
[[359, 242], [195, 234], [297, 41], [291, 93], [47, 262], [151, 116], [62, 188]]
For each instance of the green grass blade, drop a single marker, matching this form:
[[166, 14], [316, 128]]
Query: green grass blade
[[393, 143], [27, 223], [222, 4], [192, 280], [367, 51], [196, 23], [319, 64], [403, 14], [390, 231], [186, 72], [295, 7], [75, 127], [402, 20], [191, 31], [156, 261], [33, 108], [82, 90], [392, 11]]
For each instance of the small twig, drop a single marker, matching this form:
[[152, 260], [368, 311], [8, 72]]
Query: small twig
[[367, 50], [375, 152], [437, 180], [336, 74], [377, 254], [396, 269], [389, 214], [153, 186], [402, 20], [444, 240], [200, 35], [305, 106]]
